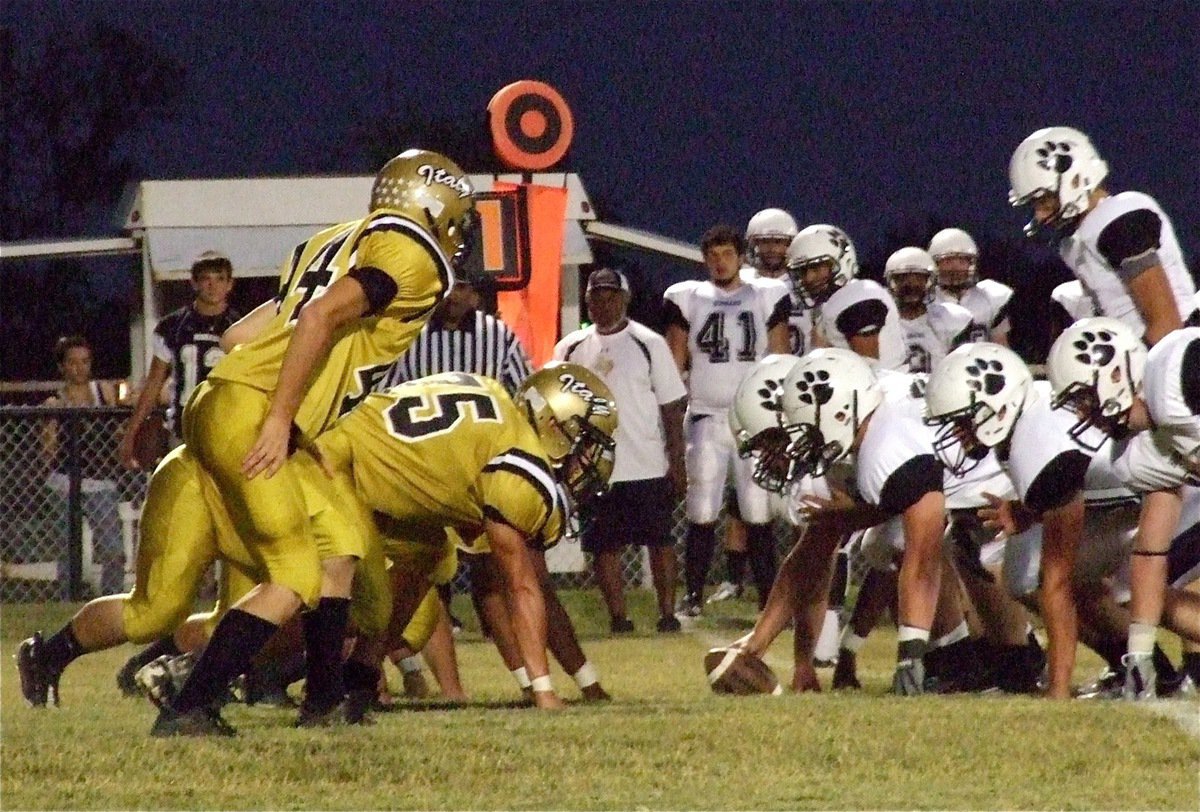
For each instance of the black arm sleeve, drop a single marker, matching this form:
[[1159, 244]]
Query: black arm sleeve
[[781, 313], [862, 318], [910, 482], [1189, 376], [379, 287], [673, 315], [1130, 242], [1058, 482]]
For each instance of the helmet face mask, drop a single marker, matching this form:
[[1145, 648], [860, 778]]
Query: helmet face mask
[[821, 260], [956, 260], [909, 274], [575, 417], [433, 192], [1096, 368], [974, 398], [768, 235], [827, 398], [757, 421]]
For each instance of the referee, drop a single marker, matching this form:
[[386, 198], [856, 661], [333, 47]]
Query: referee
[[459, 337]]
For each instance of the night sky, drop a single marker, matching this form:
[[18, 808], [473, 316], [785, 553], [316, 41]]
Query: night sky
[[868, 115]]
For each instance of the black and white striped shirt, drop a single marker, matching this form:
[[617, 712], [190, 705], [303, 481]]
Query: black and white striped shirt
[[483, 345]]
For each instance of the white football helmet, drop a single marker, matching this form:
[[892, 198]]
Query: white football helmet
[[1057, 161], [1096, 368], [819, 244], [826, 398], [955, 244], [973, 397], [910, 260], [769, 224], [756, 418]]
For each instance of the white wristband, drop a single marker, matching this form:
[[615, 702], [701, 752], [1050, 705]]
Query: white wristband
[[542, 684], [521, 676]]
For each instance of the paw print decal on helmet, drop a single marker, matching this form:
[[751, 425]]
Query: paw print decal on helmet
[[771, 395], [1055, 156], [814, 388], [1095, 348], [985, 376]]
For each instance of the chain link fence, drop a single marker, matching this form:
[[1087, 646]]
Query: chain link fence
[[68, 510]]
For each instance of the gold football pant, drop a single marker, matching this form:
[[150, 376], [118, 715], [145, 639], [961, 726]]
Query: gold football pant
[[221, 424]]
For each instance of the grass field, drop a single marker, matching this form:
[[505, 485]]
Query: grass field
[[665, 742]]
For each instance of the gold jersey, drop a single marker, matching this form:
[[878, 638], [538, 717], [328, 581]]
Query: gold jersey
[[450, 450], [404, 273]]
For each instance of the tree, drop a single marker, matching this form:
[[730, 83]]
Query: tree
[[68, 107]]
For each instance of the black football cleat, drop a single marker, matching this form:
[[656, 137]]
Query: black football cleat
[[126, 681], [39, 684], [346, 712], [197, 722]]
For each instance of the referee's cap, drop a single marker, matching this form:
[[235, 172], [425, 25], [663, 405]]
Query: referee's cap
[[610, 278]]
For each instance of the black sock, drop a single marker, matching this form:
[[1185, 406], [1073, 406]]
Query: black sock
[[61, 649], [238, 637], [324, 632], [1191, 665], [1163, 666], [359, 676], [697, 558], [446, 593], [163, 646], [761, 542], [735, 566], [837, 587]]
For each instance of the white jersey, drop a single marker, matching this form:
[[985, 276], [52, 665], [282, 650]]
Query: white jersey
[[932, 335], [637, 365], [727, 334], [1148, 462], [1172, 392], [1073, 299], [800, 322], [863, 308], [1048, 468], [895, 466], [987, 301], [1123, 235]]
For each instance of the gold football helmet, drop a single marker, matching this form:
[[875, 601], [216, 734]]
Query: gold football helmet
[[432, 191], [573, 412]]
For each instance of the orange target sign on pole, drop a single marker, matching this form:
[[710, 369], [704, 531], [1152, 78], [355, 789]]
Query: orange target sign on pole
[[531, 125]]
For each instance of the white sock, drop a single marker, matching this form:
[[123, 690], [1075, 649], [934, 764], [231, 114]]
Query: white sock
[[586, 676], [1141, 637], [522, 677], [827, 641], [959, 632]]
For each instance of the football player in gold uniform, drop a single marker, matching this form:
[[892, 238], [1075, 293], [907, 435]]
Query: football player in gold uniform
[[351, 299], [453, 450]]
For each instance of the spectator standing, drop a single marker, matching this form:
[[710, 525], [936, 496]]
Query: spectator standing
[[637, 365], [187, 344], [98, 488]]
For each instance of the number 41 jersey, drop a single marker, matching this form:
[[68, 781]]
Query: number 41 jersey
[[449, 450], [727, 333], [403, 272]]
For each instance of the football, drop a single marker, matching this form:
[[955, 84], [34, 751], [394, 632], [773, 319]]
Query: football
[[732, 671], [151, 442]]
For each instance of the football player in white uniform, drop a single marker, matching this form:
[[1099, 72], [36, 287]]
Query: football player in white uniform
[[1101, 372], [717, 329], [768, 235], [1121, 247], [931, 329], [850, 313], [957, 259], [833, 405]]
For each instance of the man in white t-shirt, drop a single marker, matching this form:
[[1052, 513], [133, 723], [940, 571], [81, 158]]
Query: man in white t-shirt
[[637, 365]]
